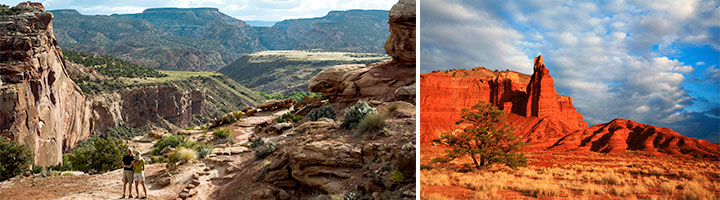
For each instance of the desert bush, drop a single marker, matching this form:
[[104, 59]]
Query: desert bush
[[288, 117], [609, 177], [203, 151], [393, 107], [355, 114], [173, 141], [667, 188], [183, 154], [694, 190], [398, 177], [486, 139], [257, 142], [98, 154], [373, 122], [122, 132], [15, 159], [265, 150], [222, 133], [324, 111]]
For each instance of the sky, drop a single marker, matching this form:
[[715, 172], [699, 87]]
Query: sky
[[651, 61], [265, 10]]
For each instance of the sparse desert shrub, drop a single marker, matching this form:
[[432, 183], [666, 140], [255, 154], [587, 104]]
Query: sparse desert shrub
[[398, 177], [203, 151], [98, 154], [183, 154], [238, 115], [609, 177], [373, 122], [288, 117], [265, 150], [122, 132], [667, 188], [324, 111], [257, 142], [222, 133], [486, 139], [173, 141], [355, 114], [393, 107], [15, 159], [695, 191]]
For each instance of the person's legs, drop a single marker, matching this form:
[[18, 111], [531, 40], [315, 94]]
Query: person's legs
[[144, 189], [137, 190]]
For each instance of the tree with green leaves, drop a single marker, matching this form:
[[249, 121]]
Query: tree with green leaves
[[485, 137], [15, 159]]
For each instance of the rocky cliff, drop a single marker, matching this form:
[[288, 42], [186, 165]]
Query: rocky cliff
[[535, 109], [542, 118], [41, 106], [380, 81]]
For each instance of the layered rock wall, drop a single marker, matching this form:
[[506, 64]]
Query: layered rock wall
[[39, 104]]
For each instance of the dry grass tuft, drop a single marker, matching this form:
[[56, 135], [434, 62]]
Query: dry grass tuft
[[695, 191]]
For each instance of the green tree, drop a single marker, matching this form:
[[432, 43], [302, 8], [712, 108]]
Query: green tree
[[15, 159], [98, 154], [484, 137]]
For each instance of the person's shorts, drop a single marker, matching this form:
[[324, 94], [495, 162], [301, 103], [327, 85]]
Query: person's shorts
[[127, 176], [139, 176]]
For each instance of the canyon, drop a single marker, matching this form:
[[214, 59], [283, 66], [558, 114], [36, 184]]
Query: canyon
[[43, 108], [542, 118]]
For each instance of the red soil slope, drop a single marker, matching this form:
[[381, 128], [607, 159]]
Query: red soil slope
[[542, 118]]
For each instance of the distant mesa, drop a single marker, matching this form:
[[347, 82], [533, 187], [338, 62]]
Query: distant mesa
[[543, 118]]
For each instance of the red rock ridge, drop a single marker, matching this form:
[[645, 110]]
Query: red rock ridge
[[542, 118], [541, 114]]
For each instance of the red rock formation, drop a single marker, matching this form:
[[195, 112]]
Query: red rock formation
[[619, 135], [541, 114], [542, 118]]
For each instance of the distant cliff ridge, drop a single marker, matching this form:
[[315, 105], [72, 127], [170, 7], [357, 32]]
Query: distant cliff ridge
[[205, 39]]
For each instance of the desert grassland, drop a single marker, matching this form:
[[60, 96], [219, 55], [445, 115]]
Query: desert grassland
[[172, 76], [577, 176], [297, 55]]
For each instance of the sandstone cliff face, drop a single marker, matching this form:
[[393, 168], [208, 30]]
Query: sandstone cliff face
[[542, 118], [39, 105], [379, 81], [42, 107], [535, 109]]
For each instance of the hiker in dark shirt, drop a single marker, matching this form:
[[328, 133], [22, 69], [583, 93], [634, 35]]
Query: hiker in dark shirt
[[128, 172]]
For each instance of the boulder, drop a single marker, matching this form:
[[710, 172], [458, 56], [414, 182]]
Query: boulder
[[401, 43], [272, 105]]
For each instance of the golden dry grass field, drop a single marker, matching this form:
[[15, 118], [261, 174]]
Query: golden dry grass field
[[573, 175]]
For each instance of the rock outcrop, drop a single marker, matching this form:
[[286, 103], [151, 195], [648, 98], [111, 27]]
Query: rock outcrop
[[379, 81], [535, 109], [40, 105], [542, 118], [619, 135]]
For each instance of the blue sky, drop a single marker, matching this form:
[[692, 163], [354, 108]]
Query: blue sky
[[266, 10], [655, 62]]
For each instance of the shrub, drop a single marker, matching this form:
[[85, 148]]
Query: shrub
[[398, 177], [373, 122], [203, 151], [238, 115], [222, 133], [15, 159], [486, 139], [393, 107], [325, 111], [264, 151], [288, 117], [173, 141], [183, 154], [258, 142], [122, 132], [355, 114], [98, 154]]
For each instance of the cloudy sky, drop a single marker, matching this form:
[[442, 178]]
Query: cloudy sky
[[654, 62], [267, 10]]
